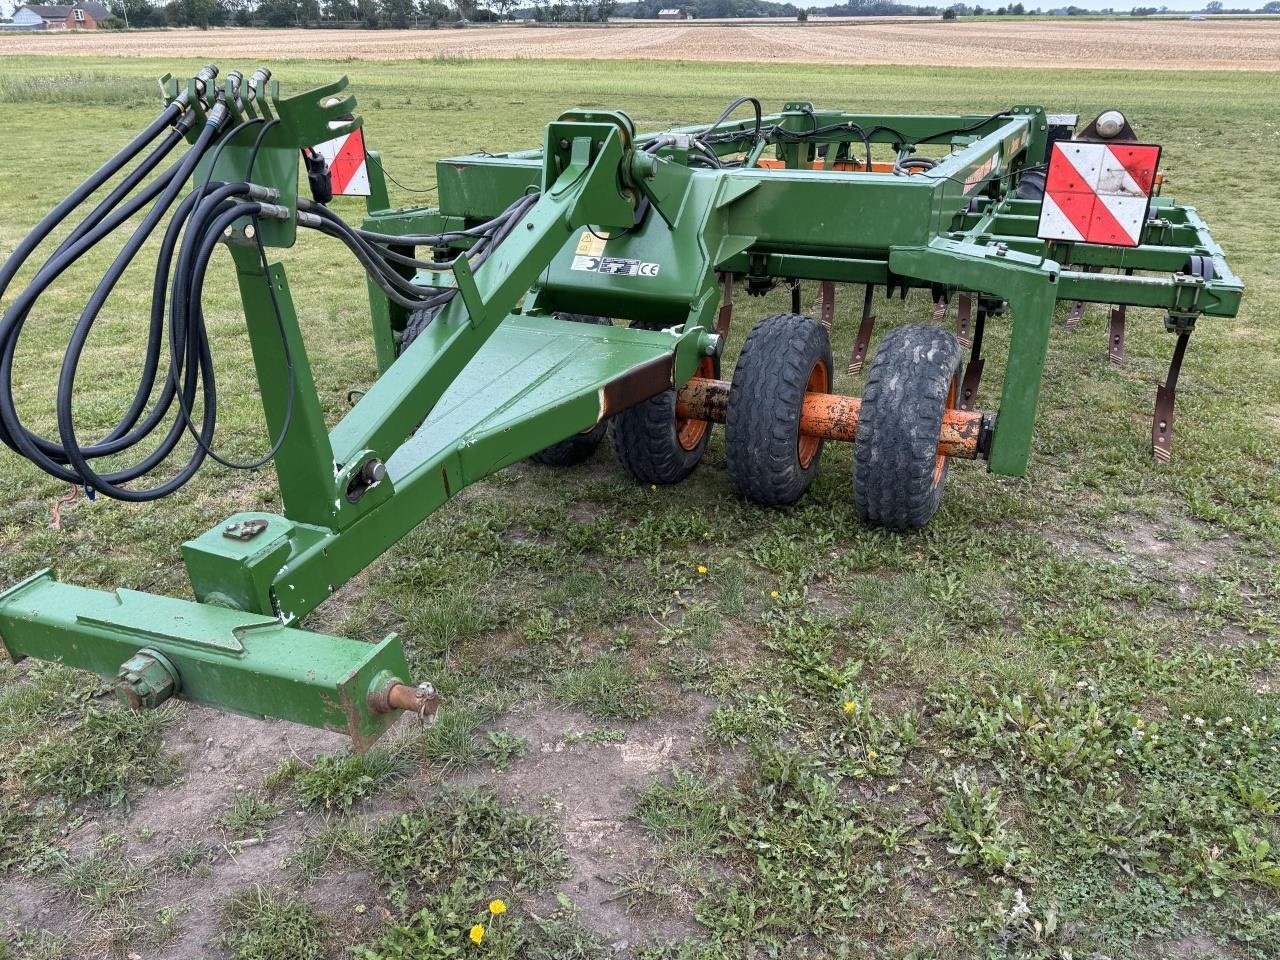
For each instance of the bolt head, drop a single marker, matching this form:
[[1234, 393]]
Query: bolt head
[[144, 682]]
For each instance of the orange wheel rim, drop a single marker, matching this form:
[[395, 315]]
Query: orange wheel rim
[[689, 431], [940, 464], [807, 447]]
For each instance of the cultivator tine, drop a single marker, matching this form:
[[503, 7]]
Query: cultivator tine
[[862, 342], [1162, 420], [1115, 335], [973, 372], [1115, 330], [939, 311], [827, 304], [796, 294], [726, 306], [1073, 318], [964, 311]]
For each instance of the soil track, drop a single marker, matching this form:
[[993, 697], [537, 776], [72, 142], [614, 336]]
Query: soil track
[[1168, 44]]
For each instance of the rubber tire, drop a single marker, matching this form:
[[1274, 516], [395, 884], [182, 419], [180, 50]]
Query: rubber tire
[[762, 428], [895, 480], [417, 322], [1031, 185], [645, 440], [574, 450]]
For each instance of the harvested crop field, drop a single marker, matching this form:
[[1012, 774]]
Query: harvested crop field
[[1172, 44], [674, 725]]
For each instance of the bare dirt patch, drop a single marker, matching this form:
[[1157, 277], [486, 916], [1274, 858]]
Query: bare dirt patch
[[590, 788], [1117, 44]]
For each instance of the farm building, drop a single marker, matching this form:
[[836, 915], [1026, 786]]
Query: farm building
[[78, 16], [673, 13]]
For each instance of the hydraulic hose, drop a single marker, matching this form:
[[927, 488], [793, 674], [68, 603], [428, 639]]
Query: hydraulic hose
[[67, 460], [177, 366]]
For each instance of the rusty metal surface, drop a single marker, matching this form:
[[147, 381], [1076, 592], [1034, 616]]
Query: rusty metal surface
[[964, 315], [1115, 330], [969, 386], [421, 700], [704, 399], [244, 529], [830, 416], [862, 341], [968, 398], [1166, 393], [637, 385], [1115, 335], [725, 315], [827, 304]]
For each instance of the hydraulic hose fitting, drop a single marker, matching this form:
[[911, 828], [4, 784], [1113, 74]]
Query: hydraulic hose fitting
[[234, 79], [259, 192], [205, 77], [185, 122], [218, 115], [273, 211], [258, 82]]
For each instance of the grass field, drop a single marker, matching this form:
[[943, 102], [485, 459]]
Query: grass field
[[1047, 726]]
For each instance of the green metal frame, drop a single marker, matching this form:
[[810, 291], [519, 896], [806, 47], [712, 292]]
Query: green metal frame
[[497, 377]]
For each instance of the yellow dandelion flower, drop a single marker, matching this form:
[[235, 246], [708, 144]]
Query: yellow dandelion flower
[[477, 933], [851, 706], [497, 907], [702, 569], [774, 594], [653, 487], [871, 754]]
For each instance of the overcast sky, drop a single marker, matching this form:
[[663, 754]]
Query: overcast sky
[[1117, 5], [1087, 4]]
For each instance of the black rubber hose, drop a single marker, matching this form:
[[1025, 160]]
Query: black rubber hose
[[54, 217], [69, 452], [123, 189], [400, 291], [186, 335], [11, 431], [76, 457]]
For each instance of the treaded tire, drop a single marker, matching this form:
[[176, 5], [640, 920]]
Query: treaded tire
[[897, 472], [417, 322], [1031, 185], [651, 443], [769, 461], [574, 450]]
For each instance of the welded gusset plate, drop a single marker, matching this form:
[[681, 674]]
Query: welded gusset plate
[[242, 662]]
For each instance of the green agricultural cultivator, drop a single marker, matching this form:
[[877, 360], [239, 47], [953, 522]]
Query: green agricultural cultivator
[[488, 319]]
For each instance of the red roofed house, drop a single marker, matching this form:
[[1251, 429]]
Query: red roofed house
[[77, 16]]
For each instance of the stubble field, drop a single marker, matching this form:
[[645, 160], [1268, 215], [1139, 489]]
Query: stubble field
[[1135, 45], [677, 726]]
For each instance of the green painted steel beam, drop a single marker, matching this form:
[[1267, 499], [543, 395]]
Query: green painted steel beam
[[241, 662]]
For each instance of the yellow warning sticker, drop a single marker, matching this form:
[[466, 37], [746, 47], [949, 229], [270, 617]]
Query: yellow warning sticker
[[591, 244]]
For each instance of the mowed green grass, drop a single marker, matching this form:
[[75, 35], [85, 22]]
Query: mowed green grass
[[1048, 725]]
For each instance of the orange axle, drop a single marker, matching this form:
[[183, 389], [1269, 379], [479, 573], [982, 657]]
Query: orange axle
[[829, 416]]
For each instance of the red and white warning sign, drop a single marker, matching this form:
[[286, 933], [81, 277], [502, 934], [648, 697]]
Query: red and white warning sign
[[1098, 192], [348, 165]]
